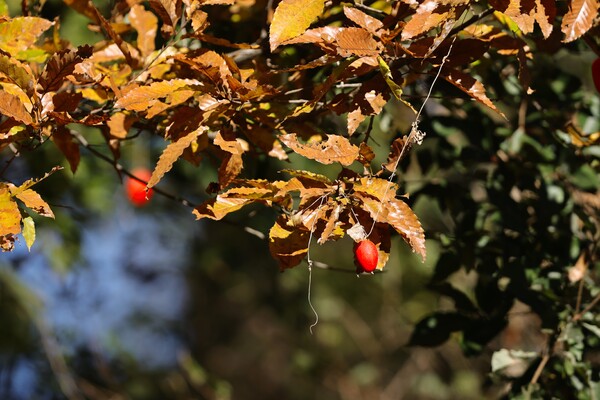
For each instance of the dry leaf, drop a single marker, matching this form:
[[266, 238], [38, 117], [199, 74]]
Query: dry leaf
[[372, 25], [288, 245], [12, 107], [579, 19], [172, 153], [470, 86], [146, 25], [335, 149], [10, 216]]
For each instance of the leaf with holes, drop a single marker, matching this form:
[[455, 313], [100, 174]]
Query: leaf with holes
[[334, 149]]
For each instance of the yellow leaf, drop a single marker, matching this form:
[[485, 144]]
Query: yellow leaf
[[20, 34], [171, 153], [12, 107], [292, 18], [288, 245], [34, 201], [145, 23], [144, 97], [29, 231], [10, 217]]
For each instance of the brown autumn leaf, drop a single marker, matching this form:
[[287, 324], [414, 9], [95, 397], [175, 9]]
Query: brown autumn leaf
[[264, 140], [470, 86], [232, 164], [10, 216], [119, 124], [380, 189], [333, 229], [579, 19], [369, 100], [427, 16], [292, 18], [287, 244], [66, 101], [12, 107], [356, 41], [400, 216], [219, 207], [525, 13], [121, 44], [169, 12], [398, 149], [63, 139], [372, 25], [144, 97], [146, 25], [34, 201], [365, 154], [172, 153], [61, 65], [335, 149]]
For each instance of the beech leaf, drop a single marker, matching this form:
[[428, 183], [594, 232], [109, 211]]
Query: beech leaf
[[579, 19], [144, 97], [29, 231], [34, 201], [20, 34], [18, 73], [470, 86], [171, 154], [61, 65], [288, 245], [146, 25], [399, 215], [372, 25], [335, 149], [10, 216], [219, 207], [12, 107], [292, 18]]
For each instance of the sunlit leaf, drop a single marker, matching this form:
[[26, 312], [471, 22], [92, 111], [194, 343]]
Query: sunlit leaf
[[399, 215], [12, 107], [34, 201], [144, 97], [169, 12], [335, 149], [292, 18], [220, 206], [146, 25], [29, 231], [17, 72], [372, 25], [287, 244], [10, 216], [172, 153], [579, 19], [20, 34], [356, 41]]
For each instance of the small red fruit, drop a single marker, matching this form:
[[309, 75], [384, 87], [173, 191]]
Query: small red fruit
[[596, 73], [136, 190], [366, 256]]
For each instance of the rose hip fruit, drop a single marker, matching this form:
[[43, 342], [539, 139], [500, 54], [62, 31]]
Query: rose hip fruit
[[366, 256], [136, 190]]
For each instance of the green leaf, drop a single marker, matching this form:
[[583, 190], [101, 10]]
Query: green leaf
[[29, 231]]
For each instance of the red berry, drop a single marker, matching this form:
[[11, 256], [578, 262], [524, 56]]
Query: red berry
[[596, 73], [366, 256], [136, 190]]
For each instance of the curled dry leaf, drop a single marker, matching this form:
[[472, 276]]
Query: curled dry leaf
[[335, 149]]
